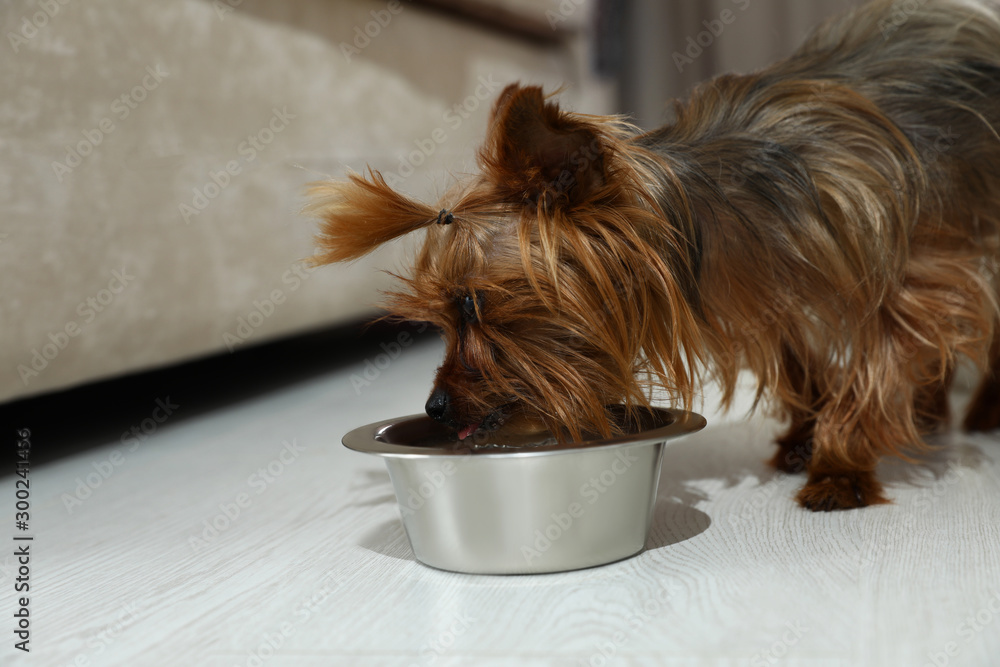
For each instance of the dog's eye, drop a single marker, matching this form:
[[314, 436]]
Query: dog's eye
[[469, 307]]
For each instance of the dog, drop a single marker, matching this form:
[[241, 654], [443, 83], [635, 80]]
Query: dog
[[830, 223]]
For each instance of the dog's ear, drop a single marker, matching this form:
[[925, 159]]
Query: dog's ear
[[535, 152], [359, 215]]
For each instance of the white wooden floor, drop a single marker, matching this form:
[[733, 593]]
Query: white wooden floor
[[249, 536]]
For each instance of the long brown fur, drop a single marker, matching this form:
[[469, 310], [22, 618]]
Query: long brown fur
[[831, 223]]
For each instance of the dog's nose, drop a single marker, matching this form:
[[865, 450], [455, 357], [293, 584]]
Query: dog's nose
[[438, 404]]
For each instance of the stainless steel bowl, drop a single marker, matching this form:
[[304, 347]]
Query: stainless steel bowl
[[515, 507]]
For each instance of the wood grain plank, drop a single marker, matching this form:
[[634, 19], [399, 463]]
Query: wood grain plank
[[316, 570]]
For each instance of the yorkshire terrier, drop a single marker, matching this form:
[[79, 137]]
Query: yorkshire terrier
[[830, 223]]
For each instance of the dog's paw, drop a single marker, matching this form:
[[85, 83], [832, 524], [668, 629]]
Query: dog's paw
[[840, 491]]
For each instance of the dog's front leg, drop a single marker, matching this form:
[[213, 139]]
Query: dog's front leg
[[841, 470], [799, 392]]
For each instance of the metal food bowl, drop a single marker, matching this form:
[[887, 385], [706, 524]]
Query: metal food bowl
[[519, 506]]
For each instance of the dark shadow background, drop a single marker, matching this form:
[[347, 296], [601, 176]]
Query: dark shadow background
[[91, 415]]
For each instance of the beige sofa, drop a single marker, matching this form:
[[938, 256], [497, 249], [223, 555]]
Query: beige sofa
[[154, 157]]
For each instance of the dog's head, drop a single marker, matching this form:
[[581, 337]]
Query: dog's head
[[556, 279]]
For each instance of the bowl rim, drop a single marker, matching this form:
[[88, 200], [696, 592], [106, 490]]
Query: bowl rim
[[366, 439]]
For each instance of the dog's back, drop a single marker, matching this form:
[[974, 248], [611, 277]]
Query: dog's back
[[933, 67], [845, 207]]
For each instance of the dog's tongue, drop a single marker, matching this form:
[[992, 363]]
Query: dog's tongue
[[466, 431]]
